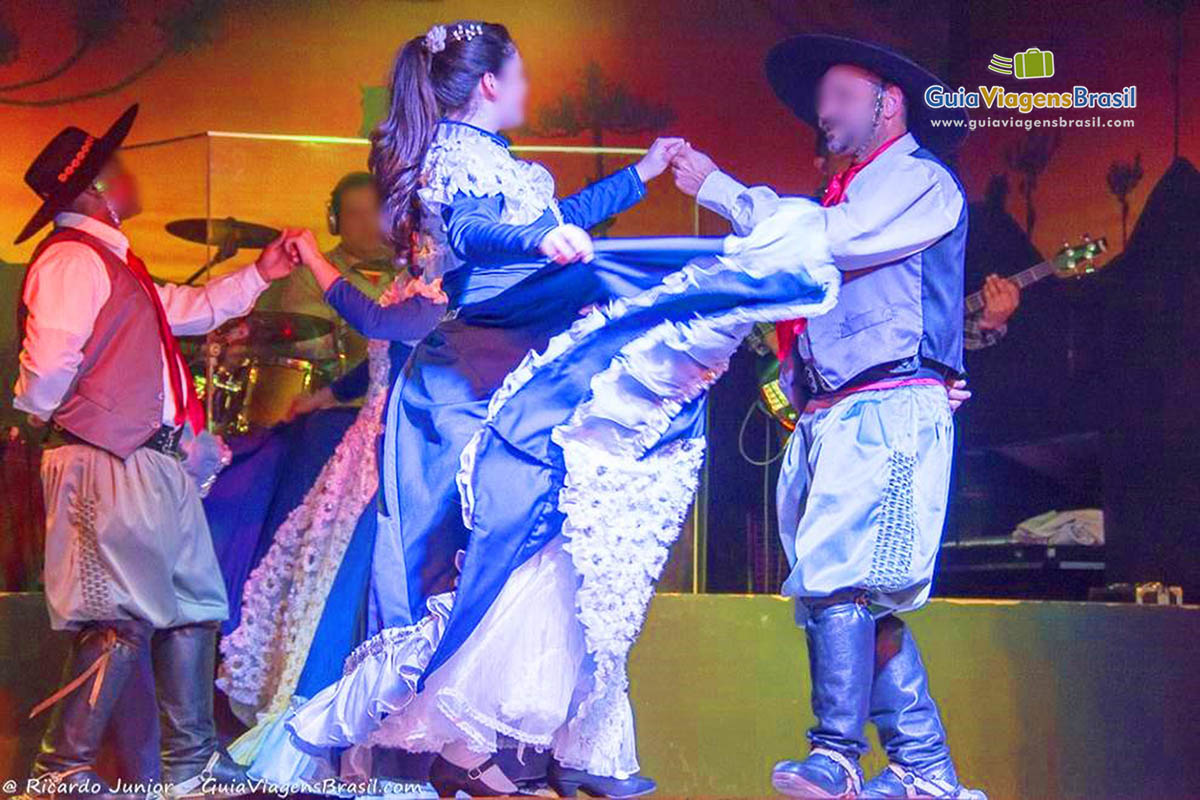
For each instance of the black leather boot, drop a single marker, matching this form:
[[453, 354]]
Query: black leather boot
[[136, 747], [193, 762], [910, 727], [102, 657], [841, 642]]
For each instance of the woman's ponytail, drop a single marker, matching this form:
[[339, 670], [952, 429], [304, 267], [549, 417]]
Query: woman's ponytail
[[434, 75], [398, 144]]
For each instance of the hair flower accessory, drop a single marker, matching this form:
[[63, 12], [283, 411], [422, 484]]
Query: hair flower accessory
[[465, 33], [435, 39]]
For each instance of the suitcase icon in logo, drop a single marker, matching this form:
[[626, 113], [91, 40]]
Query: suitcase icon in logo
[[1033, 63]]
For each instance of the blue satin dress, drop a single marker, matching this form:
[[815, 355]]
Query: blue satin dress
[[441, 398]]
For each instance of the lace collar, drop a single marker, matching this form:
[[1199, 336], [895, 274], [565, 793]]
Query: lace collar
[[495, 137]]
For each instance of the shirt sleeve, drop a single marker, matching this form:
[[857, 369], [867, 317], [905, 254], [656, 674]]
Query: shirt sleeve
[[977, 338], [603, 199], [915, 204], [743, 207], [64, 292], [193, 310], [476, 234], [408, 321]]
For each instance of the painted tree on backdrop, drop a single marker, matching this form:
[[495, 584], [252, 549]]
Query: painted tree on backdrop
[[181, 28], [1122, 178], [1029, 158], [595, 106]]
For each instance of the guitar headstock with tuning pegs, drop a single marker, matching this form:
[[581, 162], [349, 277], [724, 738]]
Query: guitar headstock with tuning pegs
[[1072, 261], [1082, 258]]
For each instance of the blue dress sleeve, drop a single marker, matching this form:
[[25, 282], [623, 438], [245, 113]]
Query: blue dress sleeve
[[353, 384], [408, 321], [476, 234], [603, 199]]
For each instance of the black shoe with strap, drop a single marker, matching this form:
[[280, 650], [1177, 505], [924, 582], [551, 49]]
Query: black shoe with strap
[[449, 779]]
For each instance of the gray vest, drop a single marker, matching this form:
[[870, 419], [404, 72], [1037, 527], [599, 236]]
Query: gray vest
[[894, 313], [116, 400]]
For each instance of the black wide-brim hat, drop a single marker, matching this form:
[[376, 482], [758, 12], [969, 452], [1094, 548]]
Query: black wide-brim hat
[[795, 66], [67, 166]]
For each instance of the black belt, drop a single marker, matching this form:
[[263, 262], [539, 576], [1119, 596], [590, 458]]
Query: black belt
[[164, 440], [909, 367]]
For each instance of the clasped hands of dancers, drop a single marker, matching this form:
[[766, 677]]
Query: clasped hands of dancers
[[535, 465]]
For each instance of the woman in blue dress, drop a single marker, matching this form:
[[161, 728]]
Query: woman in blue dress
[[560, 451]]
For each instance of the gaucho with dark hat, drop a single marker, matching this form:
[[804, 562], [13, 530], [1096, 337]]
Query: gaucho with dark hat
[[864, 483], [129, 558]]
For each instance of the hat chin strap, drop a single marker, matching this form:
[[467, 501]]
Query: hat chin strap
[[112, 212]]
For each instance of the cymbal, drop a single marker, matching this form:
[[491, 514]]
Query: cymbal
[[247, 235], [274, 328]]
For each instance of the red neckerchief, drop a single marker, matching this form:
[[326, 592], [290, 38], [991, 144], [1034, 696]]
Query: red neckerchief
[[187, 404], [787, 330]]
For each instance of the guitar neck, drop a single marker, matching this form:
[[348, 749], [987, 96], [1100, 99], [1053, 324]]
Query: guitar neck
[[1025, 277]]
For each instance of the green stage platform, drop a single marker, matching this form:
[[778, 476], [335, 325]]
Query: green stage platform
[[1044, 701]]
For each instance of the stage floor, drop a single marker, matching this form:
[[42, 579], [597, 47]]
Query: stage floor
[[1043, 701]]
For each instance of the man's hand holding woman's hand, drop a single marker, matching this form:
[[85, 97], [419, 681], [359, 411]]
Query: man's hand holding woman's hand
[[658, 157], [302, 248], [417, 287], [690, 168], [275, 261]]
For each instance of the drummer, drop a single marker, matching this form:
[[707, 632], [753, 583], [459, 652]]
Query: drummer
[[360, 255]]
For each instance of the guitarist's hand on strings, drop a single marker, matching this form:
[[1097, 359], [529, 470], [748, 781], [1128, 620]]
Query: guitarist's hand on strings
[[1000, 300]]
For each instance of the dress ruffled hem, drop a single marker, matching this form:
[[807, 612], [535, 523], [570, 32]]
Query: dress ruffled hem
[[379, 679], [511, 683]]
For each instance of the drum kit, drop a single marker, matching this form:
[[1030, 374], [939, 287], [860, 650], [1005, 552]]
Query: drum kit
[[244, 370]]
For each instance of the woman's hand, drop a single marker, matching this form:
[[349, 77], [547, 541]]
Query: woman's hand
[[417, 287], [658, 157], [566, 244], [303, 249]]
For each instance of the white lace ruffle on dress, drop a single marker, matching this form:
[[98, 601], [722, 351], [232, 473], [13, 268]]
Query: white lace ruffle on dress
[[284, 597]]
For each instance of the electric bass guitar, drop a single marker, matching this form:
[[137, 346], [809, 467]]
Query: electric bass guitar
[[1072, 261]]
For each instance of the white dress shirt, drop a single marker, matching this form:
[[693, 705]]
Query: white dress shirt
[[896, 206], [64, 292]]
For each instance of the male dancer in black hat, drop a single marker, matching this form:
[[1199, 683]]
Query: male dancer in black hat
[[129, 558], [863, 488]]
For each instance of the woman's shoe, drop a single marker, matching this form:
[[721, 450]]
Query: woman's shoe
[[568, 782], [449, 779]]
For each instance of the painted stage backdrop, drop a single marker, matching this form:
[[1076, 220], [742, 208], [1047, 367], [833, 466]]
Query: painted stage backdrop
[[611, 72], [616, 73]]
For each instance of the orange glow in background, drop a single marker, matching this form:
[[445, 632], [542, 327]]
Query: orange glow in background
[[301, 67]]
